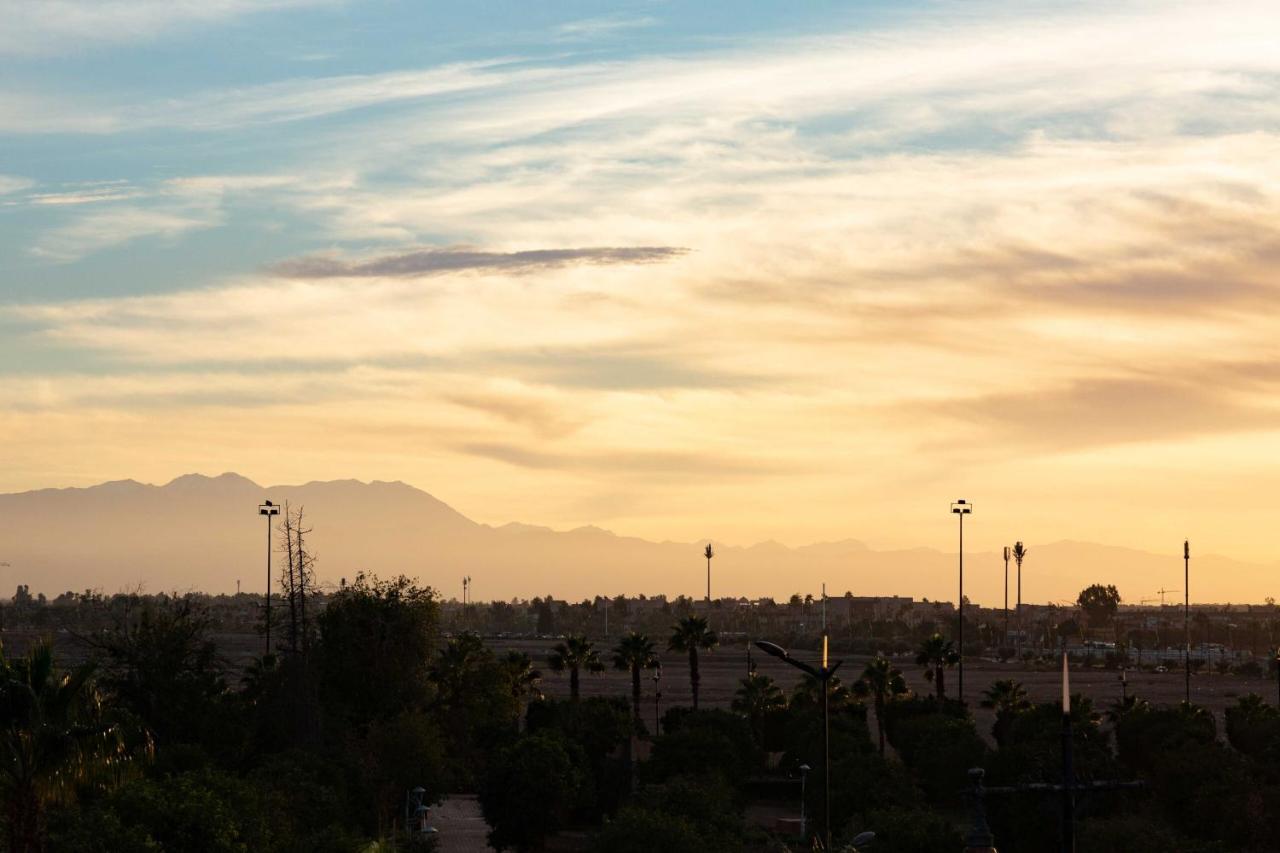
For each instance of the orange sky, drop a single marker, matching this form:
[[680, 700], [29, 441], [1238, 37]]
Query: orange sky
[[1026, 259]]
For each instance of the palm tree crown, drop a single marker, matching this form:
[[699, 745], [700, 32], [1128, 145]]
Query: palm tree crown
[[56, 739], [523, 679], [635, 652], [575, 654], [883, 682], [690, 635], [938, 654]]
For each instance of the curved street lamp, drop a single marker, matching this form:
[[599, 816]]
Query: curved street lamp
[[823, 674]]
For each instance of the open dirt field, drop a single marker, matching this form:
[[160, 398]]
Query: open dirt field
[[722, 670]]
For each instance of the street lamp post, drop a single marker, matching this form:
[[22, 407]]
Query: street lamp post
[[1005, 641], [823, 674], [657, 699], [1186, 615], [961, 509], [269, 511], [804, 775]]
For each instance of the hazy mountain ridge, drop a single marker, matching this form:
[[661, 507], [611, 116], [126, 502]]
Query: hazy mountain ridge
[[199, 532]]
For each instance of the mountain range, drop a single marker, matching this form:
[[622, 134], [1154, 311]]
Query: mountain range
[[204, 533]]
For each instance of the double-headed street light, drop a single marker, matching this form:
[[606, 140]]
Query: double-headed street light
[[961, 509], [269, 510], [823, 674]]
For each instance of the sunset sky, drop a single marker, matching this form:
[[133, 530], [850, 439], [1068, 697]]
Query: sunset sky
[[800, 271]]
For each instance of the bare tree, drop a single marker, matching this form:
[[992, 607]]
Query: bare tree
[[297, 577]]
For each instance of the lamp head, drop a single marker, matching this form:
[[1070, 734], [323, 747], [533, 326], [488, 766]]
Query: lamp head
[[961, 507], [268, 508]]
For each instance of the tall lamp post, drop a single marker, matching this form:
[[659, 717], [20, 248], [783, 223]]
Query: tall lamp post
[[1186, 615], [268, 510], [1005, 642], [961, 509], [823, 674], [657, 699]]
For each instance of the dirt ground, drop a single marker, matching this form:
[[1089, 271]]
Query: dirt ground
[[722, 670]]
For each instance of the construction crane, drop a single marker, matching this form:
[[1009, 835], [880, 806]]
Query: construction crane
[[1163, 591]]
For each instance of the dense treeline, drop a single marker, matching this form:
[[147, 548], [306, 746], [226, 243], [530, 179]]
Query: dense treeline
[[155, 745]]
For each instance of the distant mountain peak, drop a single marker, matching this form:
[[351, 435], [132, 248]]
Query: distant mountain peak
[[226, 479]]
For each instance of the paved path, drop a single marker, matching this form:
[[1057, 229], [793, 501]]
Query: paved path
[[462, 828]]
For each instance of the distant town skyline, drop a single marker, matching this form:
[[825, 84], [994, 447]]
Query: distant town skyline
[[743, 271]]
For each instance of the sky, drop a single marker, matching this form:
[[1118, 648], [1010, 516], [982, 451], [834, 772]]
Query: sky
[[745, 270]]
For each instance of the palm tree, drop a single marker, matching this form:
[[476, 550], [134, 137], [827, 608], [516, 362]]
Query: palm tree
[[882, 681], [938, 655], [757, 697], [690, 635], [453, 666], [523, 681], [807, 695], [1124, 707], [708, 552], [1007, 698], [56, 739], [576, 653], [1019, 554], [635, 652]]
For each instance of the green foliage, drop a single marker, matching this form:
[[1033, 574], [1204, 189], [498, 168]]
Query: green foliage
[[1146, 733], [376, 643], [1099, 602], [530, 791], [57, 741], [684, 815], [160, 663], [909, 830], [1253, 727], [937, 655], [1007, 698], [575, 654], [705, 742], [690, 635]]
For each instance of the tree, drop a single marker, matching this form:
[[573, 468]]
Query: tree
[[883, 682], [1007, 698], [576, 653], [297, 578], [56, 740], [757, 697], [160, 663], [530, 790], [938, 655], [635, 652], [690, 635], [376, 643], [1099, 603], [523, 680]]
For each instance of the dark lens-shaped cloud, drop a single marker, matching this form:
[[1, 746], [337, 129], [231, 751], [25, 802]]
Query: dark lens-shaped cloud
[[436, 261]]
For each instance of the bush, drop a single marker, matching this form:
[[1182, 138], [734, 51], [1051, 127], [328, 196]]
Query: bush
[[530, 790]]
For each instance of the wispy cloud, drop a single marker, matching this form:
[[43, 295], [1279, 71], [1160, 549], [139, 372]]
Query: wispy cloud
[[590, 28], [434, 261], [108, 227], [64, 26]]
